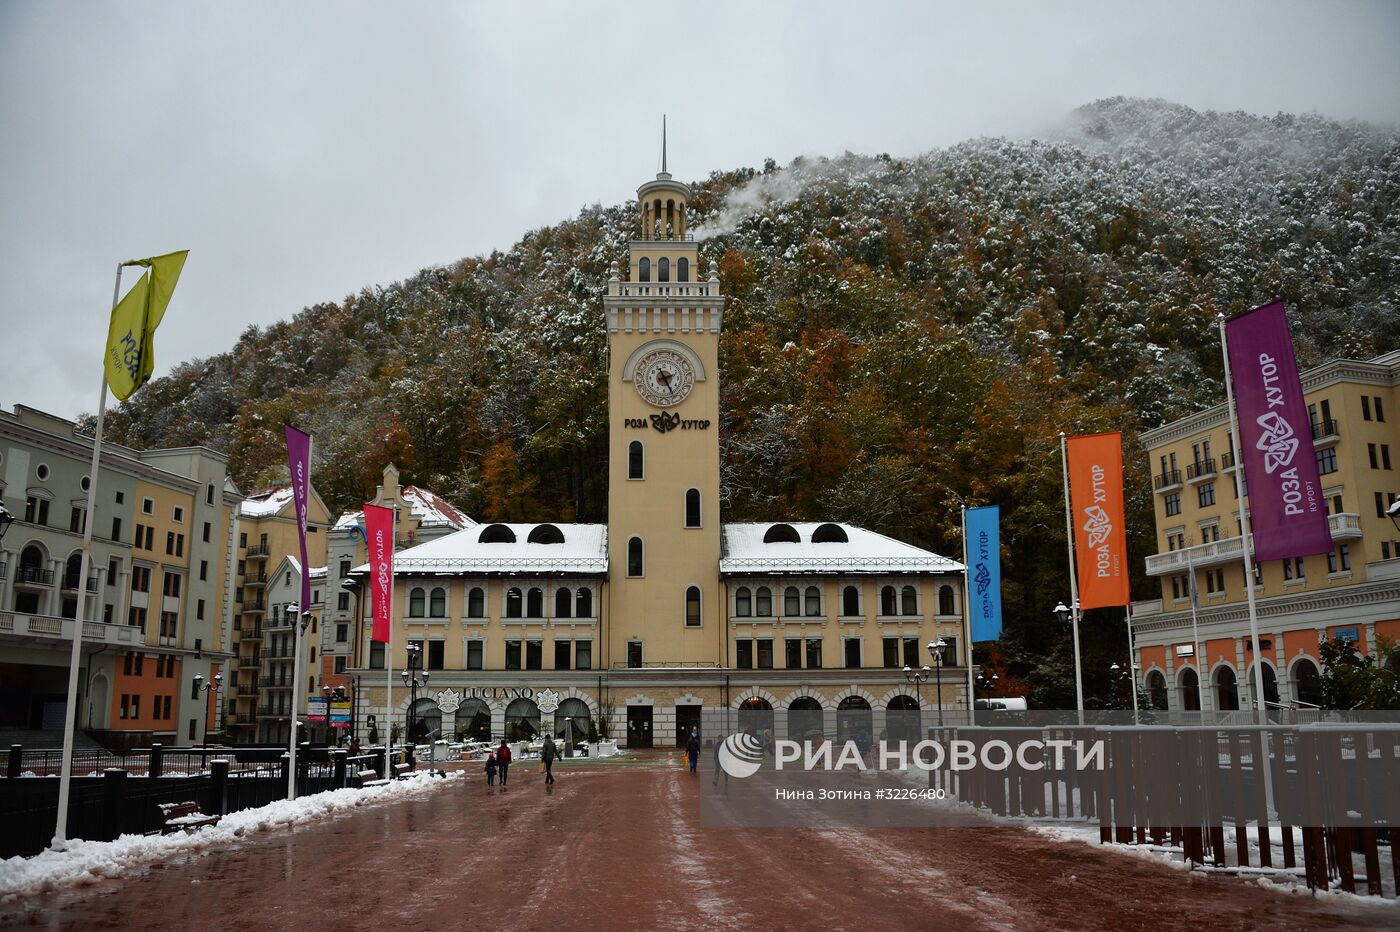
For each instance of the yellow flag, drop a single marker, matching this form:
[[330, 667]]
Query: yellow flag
[[130, 357]]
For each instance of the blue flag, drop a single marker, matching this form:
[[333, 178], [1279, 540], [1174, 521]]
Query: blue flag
[[984, 572]]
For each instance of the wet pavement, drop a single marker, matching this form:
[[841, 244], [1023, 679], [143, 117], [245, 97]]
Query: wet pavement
[[620, 848]]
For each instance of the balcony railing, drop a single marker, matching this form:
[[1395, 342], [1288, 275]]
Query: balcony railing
[[1230, 549], [53, 626], [1166, 480], [1201, 470], [1324, 430], [70, 582], [271, 682], [250, 632], [271, 711], [1227, 461], [257, 551], [251, 581], [34, 575], [4, 569]]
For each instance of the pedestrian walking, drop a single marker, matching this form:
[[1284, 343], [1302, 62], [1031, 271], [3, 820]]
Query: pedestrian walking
[[548, 755], [491, 769], [692, 750], [503, 761]]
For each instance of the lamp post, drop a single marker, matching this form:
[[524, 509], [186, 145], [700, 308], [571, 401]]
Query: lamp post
[[210, 689], [989, 684], [1393, 511], [331, 694], [6, 519], [936, 648], [1066, 615], [411, 679], [353, 586], [918, 678], [568, 735]]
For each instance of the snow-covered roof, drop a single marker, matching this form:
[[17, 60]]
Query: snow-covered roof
[[509, 549], [744, 551], [266, 503], [431, 510]]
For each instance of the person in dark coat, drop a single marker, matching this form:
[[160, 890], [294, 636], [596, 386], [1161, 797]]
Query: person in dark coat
[[548, 755], [692, 750], [503, 761], [491, 769], [355, 747]]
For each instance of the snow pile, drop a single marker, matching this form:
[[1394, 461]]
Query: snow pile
[[265, 504], [89, 861]]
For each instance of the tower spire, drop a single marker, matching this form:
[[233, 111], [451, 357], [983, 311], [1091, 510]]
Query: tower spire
[[663, 142]]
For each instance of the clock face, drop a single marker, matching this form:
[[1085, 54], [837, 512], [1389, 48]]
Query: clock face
[[663, 378]]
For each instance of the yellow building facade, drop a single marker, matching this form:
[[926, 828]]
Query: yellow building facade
[[1351, 593], [639, 627]]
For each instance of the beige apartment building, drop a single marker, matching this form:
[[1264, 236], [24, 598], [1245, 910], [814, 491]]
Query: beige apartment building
[[1352, 593], [158, 598], [639, 627], [267, 550]]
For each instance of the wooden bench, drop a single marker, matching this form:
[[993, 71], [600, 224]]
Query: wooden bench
[[184, 815], [402, 770]]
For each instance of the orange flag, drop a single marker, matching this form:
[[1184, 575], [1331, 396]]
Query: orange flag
[[1100, 535]]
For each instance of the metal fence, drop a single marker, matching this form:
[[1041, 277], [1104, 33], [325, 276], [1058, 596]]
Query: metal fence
[[112, 794]]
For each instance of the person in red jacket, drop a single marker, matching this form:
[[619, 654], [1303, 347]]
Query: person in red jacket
[[503, 760]]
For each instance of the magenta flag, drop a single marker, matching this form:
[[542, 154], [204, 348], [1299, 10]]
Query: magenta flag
[[1286, 507], [379, 536], [299, 463]]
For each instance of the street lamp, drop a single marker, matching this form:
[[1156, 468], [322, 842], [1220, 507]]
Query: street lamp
[[1393, 511], [209, 691], [983, 682], [1063, 614], [6, 519], [936, 648], [918, 678], [331, 694], [411, 679]]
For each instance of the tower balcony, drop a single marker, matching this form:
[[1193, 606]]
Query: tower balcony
[[1344, 527]]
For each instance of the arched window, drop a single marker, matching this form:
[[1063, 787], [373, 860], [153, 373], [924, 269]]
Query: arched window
[[782, 533], [692, 508], [644, 269], [830, 534], [1271, 694], [1157, 690], [850, 601], [584, 603], [1190, 690], [743, 602], [563, 602], [545, 534], [476, 603], [513, 602], [663, 269], [634, 460], [792, 602], [1227, 697], [887, 601], [1307, 684], [908, 601], [682, 270], [634, 557], [415, 602], [763, 602], [813, 598], [692, 607], [534, 603], [437, 603], [945, 601]]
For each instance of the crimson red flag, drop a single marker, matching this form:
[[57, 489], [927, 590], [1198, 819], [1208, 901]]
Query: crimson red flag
[[379, 534]]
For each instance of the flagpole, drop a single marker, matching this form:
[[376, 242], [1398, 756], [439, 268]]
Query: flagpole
[[66, 771], [1132, 659], [967, 627], [389, 656], [296, 688], [1245, 532], [1195, 632], [1073, 579]]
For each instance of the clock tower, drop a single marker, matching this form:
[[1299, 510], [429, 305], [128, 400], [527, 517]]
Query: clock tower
[[663, 322]]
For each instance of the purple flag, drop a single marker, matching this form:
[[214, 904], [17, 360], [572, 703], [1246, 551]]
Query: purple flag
[[299, 463], [1286, 506]]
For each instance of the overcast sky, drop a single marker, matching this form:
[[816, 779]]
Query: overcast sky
[[302, 151]]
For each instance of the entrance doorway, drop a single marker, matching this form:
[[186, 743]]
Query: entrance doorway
[[639, 726], [687, 720]]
